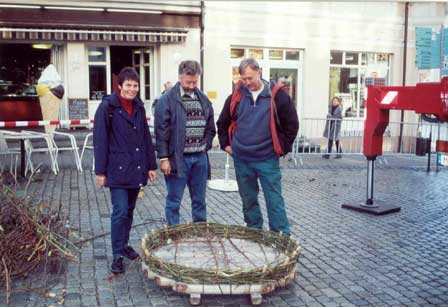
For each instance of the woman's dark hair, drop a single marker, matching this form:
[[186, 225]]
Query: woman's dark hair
[[128, 73]]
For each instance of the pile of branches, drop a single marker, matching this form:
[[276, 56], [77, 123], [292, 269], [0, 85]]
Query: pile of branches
[[32, 237], [272, 272]]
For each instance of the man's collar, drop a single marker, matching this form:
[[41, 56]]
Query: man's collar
[[183, 92]]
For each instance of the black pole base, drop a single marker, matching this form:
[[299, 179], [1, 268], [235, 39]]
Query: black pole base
[[378, 208]]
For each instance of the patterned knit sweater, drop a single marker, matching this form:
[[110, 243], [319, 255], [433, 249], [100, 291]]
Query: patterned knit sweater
[[195, 125]]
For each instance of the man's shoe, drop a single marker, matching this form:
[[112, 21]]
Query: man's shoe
[[130, 253], [117, 266], [326, 156], [338, 156]]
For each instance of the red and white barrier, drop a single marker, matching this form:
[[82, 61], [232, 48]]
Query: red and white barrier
[[39, 123]]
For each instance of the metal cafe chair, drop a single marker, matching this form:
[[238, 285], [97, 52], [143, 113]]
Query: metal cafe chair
[[86, 146], [50, 148], [73, 147], [5, 152]]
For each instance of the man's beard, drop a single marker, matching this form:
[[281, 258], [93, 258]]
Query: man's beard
[[188, 91]]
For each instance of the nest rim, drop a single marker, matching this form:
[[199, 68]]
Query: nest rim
[[269, 273]]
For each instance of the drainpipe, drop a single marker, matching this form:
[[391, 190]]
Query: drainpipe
[[405, 49], [202, 20]]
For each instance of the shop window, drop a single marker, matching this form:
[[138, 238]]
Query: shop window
[[293, 55], [21, 65], [236, 53], [349, 81], [275, 54], [97, 82], [336, 57], [256, 54], [351, 58], [97, 54], [287, 76], [97, 72]]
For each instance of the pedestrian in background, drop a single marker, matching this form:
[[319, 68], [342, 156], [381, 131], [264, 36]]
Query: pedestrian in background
[[124, 158], [184, 127], [258, 124], [333, 127], [166, 87]]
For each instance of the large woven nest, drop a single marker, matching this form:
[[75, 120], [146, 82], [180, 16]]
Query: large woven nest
[[276, 269]]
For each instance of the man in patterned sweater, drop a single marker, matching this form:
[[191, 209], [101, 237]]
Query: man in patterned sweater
[[184, 128]]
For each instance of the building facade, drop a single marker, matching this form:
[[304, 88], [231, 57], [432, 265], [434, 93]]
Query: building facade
[[90, 41], [320, 49]]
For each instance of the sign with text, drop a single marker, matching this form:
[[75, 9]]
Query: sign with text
[[78, 108]]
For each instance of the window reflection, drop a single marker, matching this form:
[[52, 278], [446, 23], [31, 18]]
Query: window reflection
[[97, 82], [349, 82]]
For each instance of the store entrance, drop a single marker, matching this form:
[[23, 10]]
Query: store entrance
[[138, 57]]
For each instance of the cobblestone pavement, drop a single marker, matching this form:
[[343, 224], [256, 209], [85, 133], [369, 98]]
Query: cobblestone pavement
[[348, 258]]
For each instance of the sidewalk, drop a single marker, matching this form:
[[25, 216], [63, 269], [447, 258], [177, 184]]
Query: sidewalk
[[348, 258]]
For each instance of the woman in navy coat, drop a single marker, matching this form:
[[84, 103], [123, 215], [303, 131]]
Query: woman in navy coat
[[124, 158]]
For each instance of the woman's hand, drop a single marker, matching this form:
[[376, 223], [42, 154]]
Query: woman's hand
[[152, 175], [101, 180]]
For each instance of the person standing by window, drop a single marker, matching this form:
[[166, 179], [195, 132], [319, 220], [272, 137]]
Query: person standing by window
[[124, 158], [333, 127]]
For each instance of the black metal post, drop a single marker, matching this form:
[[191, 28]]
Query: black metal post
[[377, 207], [22, 158], [370, 177], [428, 150], [405, 49]]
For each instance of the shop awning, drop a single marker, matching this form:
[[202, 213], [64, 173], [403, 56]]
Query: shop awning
[[139, 36]]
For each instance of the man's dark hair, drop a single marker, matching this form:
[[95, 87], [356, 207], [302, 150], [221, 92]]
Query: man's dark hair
[[191, 68], [249, 62], [128, 73]]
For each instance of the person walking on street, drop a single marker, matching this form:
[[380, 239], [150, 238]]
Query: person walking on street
[[257, 125], [124, 159], [333, 127], [184, 127], [166, 87]]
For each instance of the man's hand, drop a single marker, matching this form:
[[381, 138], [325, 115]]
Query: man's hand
[[228, 149], [101, 180], [165, 167], [152, 175]]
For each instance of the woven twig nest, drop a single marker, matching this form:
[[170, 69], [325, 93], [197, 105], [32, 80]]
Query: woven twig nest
[[229, 256]]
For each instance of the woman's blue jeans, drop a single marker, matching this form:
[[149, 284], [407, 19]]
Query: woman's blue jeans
[[123, 205], [268, 172], [195, 177]]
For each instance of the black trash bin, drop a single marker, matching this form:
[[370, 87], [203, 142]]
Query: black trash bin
[[422, 146]]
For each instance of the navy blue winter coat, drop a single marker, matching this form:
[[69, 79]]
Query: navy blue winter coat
[[123, 148], [169, 125]]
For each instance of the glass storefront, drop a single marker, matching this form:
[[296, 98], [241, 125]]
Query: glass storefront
[[21, 66], [351, 72]]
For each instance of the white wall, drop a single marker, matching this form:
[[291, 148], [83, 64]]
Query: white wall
[[317, 28], [170, 56]]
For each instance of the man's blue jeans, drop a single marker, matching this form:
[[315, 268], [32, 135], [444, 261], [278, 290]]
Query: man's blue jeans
[[268, 172], [195, 177], [123, 205]]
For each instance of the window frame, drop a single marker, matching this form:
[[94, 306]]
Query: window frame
[[362, 68], [105, 64], [266, 65]]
